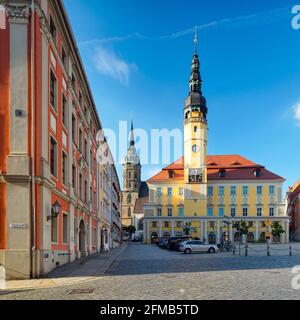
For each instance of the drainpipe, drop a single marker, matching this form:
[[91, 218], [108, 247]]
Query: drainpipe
[[33, 209]]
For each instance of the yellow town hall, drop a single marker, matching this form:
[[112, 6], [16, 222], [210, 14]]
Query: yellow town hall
[[211, 193]]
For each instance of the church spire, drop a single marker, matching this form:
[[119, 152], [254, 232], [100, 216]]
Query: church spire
[[131, 135], [195, 41]]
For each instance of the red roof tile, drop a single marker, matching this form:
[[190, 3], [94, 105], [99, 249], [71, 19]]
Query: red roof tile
[[236, 166]]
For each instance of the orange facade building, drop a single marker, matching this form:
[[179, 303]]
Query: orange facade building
[[50, 206]]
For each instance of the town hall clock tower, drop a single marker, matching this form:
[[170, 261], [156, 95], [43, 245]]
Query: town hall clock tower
[[195, 144]]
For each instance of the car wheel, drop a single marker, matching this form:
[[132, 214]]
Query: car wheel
[[188, 251], [211, 250]]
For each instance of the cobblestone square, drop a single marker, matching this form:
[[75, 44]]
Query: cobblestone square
[[148, 272]]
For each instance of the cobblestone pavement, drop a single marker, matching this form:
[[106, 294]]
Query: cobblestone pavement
[[148, 272]]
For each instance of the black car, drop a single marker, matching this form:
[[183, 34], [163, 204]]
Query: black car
[[173, 241]]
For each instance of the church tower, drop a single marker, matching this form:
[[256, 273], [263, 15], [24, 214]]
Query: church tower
[[131, 180], [195, 143]]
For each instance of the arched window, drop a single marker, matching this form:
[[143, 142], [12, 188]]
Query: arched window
[[166, 234], [129, 198], [129, 212]]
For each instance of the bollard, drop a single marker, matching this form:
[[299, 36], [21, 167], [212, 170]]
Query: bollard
[[291, 251], [233, 250], [268, 250], [246, 250]]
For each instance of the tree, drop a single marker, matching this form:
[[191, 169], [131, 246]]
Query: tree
[[277, 229], [187, 228], [130, 229], [242, 227]]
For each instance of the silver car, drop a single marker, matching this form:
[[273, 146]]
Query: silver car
[[197, 246]]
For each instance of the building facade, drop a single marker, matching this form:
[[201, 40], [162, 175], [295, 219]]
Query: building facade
[[50, 185], [209, 194], [293, 207]]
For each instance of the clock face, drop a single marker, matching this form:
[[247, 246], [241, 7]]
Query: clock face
[[195, 148]]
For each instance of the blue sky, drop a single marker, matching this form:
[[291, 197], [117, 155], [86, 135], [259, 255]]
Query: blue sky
[[137, 55]]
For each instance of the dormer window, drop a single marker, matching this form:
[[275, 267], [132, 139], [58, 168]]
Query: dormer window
[[235, 163], [222, 173], [212, 164], [171, 174], [257, 172]]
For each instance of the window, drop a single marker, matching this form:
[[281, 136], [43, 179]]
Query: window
[[74, 177], [159, 192], [54, 230], [64, 169], [80, 186], [170, 212], [159, 212], [64, 57], [232, 212], [180, 212], [73, 82], [53, 157], [95, 167], [75, 228], [64, 111], [245, 190], [85, 191], [154, 224], [259, 190], [245, 212], [210, 212], [91, 159], [259, 212], [80, 140], [233, 190], [210, 191], [52, 29], [166, 224], [85, 150], [91, 195], [195, 175], [178, 224], [180, 191], [169, 192], [73, 128], [211, 224], [53, 90], [271, 212], [195, 128], [221, 212], [271, 190], [129, 212], [221, 191], [95, 199], [129, 198], [65, 228], [80, 98]]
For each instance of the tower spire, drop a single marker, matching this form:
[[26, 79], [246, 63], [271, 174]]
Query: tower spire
[[131, 135], [195, 41]]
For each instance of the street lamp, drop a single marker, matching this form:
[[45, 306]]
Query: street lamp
[[228, 222], [55, 209]]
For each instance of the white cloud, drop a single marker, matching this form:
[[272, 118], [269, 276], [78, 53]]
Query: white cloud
[[109, 63], [296, 110]]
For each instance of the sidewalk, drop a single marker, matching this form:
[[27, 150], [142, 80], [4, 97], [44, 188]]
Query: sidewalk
[[82, 270]]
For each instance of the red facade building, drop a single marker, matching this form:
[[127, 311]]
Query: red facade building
[[50, 210], [294, 211]]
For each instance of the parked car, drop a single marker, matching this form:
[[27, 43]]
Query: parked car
[[172, 241], [163, 244], [197, 246]]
